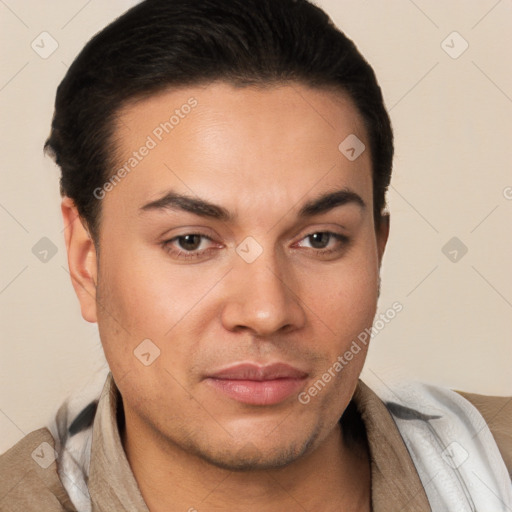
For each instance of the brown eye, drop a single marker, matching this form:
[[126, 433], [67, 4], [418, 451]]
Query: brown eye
[[325, 243], [320, 240], [190, 246], [189, 242]]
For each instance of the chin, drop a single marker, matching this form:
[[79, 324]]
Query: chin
[[253, 456]]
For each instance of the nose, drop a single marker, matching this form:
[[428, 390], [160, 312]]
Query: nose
[[262, 298]]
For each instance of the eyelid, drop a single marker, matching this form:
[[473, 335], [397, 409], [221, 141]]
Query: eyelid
[[334, 229], [334, 234], [190, 233], [341, 238], [184, 230], [182, 254]]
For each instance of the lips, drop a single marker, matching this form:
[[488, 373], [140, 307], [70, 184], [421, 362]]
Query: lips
[[258, 385]]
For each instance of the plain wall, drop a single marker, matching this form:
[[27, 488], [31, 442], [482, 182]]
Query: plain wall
[[452, 178]]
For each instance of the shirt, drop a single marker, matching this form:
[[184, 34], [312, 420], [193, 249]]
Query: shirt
[[26, 486]]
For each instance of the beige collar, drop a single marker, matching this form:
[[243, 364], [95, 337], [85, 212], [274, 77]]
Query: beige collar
[[395, 483]]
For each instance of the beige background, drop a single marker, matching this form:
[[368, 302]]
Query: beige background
[[452, 119]]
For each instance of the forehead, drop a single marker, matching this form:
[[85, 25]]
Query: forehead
[[264, 145]]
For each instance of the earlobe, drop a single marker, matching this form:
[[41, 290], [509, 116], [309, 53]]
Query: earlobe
[[82, 259]]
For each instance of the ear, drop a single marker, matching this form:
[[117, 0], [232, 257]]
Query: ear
[[82, 260], [382, 232]]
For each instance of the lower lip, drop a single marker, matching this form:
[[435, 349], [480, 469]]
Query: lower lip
[[267, 392]]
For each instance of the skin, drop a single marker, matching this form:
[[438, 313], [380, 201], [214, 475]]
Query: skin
[[260, 153]]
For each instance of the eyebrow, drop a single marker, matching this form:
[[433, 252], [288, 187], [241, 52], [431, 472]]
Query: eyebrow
[[203, 208]]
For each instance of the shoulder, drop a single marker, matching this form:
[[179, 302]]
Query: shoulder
[[497, 413], [28, 476]]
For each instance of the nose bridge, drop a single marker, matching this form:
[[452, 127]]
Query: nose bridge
[[262, 297]]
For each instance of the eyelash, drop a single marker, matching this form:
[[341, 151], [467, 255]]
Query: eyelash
[[187, 255]]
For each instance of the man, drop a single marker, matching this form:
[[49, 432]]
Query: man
[[224, 169]]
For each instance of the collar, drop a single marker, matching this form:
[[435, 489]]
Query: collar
[[395, 481]]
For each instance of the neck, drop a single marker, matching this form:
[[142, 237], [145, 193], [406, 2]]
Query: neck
[[336, 476]]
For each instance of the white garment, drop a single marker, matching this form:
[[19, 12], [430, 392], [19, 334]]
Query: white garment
[[74, 451], [453, 450]]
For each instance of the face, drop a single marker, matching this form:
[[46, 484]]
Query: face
[[241, 246]]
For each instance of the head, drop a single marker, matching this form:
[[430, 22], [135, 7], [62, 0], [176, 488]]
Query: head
[[224, 169]]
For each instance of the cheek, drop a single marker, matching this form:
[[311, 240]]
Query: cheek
[[134, 304], [346, 301], [147, 297], [344, 297], [144, 290]]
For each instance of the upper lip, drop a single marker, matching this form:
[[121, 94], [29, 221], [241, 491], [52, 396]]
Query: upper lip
[[256, 372]]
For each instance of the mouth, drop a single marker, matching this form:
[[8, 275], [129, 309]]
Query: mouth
[[253, 384]]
